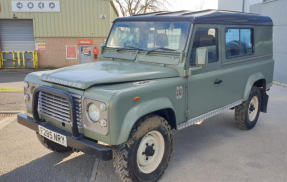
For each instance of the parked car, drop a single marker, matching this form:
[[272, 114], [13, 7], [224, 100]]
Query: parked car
[[159, 71]]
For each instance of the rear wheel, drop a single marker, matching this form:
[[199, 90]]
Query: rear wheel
[[247, 113], [145, 155], [52, 145]]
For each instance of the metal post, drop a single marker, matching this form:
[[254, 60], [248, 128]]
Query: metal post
[[243, 5], [23, 56]]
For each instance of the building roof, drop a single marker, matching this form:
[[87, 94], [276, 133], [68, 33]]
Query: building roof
[[205, 17]]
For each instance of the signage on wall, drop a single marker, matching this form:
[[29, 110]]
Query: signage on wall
[[35, 6], [103, 16], [85, 42], [71, 52], [40, 45]]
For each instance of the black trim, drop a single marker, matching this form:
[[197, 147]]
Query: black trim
[[60, 93], [205, 17], [83, 144]]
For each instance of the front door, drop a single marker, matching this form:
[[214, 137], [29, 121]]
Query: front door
[[204, 86], [86, 54]]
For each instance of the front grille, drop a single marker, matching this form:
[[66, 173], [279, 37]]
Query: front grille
[[58, 107]]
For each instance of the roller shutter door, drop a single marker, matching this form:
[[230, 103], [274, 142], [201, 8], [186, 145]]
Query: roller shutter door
[[17, 35]]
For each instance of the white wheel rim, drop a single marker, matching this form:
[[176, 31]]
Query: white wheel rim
[[146, 163], [253, 108]]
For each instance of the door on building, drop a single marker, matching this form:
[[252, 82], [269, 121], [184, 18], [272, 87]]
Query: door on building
[[16, 35], [86, 54]]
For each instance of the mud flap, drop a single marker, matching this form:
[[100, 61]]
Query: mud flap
[[264, 100]]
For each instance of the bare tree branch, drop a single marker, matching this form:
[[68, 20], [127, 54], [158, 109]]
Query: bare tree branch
[[131, 7]]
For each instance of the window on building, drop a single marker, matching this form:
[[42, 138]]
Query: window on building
[[205, 37], [238, 42]]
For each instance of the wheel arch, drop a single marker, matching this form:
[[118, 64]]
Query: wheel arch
[[160, 106], [256, 79]]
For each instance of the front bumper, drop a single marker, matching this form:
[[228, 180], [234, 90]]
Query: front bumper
[[80, 143]]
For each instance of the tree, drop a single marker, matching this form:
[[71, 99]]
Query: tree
[[132, 7]]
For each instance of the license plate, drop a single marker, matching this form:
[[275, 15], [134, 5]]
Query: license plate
[[53, 136]]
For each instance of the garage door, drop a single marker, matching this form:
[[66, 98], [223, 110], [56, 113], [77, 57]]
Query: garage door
[[17, 35]]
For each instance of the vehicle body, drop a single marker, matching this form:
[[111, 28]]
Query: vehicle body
[[167, 70]]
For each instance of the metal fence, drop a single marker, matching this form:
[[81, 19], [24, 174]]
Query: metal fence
[[19, 59]]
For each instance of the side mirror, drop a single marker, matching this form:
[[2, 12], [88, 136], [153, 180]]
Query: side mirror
[[201, 56]]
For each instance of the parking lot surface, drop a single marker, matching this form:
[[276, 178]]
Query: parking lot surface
[[213, 151]]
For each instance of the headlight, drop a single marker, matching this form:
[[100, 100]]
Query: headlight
[[94, 112]]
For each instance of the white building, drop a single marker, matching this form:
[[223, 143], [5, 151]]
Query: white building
[[276, 9]]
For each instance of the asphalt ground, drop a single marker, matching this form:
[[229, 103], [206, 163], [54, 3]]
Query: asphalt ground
[[12, 101], [13, 78], [213, 151]]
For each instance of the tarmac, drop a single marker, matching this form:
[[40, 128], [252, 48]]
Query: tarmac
[[214, 151]]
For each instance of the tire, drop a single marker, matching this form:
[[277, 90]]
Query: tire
[[52, 145], [131, 158], [247, 113]]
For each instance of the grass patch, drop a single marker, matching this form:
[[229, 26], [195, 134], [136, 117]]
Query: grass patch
[[11, 89]]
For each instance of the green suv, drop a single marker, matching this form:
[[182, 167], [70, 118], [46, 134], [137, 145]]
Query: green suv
[[159, 71]]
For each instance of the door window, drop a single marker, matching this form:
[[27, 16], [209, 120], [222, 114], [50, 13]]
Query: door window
[[205, 37], [238, 42], [86, 51]]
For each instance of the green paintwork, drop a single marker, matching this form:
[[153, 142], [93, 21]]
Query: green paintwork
[[75, 19], [114, 82], [103, 72]]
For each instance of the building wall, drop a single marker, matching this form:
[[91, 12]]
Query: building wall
[[277, 11], [55, 54], [236, 5], [77, 18]]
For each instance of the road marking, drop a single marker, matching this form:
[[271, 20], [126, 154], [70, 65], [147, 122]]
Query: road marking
[[95, 169], [4, 122]]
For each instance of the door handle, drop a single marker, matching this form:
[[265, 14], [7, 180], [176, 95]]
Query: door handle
[[218, 81]]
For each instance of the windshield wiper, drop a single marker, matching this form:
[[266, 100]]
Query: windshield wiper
[[161, 48], [130, 47]]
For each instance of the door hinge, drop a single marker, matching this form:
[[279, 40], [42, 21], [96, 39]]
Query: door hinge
[[186, 73], [187, 114]]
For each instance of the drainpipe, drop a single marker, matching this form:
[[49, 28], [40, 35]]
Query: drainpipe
[[243, 5]]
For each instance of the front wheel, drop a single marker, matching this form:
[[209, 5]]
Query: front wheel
[[145, 155], [247, 113]]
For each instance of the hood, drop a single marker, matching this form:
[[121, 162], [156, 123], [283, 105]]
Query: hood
[[86, 75]]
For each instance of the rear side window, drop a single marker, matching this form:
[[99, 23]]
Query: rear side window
[[238, 42], [205, 37]]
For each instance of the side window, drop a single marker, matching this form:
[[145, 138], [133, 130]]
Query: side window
[[238, 42], [205, 37]]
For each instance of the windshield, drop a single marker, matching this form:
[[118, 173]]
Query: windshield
[[149, 35]]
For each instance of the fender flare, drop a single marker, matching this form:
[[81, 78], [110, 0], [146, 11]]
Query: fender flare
[[250, 82], [140, 110]]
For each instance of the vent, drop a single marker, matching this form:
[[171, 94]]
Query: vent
[[58, 107]]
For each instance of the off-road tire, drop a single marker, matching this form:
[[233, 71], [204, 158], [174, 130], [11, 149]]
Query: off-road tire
[[241, 111], [125, 155], [52, 145]]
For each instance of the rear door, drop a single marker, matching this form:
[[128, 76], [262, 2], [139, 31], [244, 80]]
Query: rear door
[[204, 87]]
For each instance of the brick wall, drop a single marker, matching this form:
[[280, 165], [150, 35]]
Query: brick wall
[[55, 54]]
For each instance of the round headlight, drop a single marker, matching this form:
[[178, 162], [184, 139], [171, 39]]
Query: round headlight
[[94, 112]]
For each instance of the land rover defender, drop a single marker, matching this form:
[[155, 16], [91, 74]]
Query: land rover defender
[[159, 71]]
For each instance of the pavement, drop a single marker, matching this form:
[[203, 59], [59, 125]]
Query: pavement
[[213, 151], [13, 78]]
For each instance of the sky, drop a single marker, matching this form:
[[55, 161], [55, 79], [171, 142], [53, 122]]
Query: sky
[[193, 4]]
